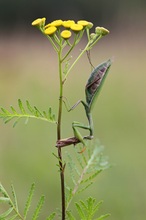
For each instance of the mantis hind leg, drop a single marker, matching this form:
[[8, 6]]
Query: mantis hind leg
[[75, 126]]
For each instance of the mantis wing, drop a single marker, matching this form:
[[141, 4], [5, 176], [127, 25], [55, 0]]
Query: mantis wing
[[95, 82]]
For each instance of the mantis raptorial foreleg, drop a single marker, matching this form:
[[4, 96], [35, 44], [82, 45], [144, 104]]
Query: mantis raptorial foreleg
[[92, 90], [77, 134], [76, 124]]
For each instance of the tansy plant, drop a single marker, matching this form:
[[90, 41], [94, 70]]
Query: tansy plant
[[89, 162]]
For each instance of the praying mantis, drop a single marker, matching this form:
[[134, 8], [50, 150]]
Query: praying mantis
[[92, 90]]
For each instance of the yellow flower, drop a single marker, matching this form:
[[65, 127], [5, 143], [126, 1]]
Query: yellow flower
[[83, 23], [56, 23], [47, 25], [76, 27], [66, 34], [39, 22], [68, 23], [50, 30]]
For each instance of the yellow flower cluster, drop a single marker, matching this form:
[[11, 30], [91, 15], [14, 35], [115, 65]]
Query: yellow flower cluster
[[69, 25], [65, 28]]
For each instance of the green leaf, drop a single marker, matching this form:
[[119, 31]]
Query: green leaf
[[29, 200], [70, 216], [34, 113], [103, 217], [13, 217], [14, 197], [4, 200], [80, 211], [3, 191], [13, 110], [38, 208], [91, 177], [30, 108], [21, 107], [37, 112], [5, 111], [95, 82], [84, 188], [88, 209], [8, 119], [51, 217], [5, 214], [16, 122]]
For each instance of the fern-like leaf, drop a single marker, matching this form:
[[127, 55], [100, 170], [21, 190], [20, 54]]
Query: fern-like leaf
[[14, 197], [7, 116], [51, 217], [70, 216], [88, 209], [12, 217], [84, 171], [38, 208], [4, 200], [13, 205], [103, 217], [13, 213], [21, 107], [80, 211], [5, 214], [29, 200]]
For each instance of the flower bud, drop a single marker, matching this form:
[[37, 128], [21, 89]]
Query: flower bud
[[90, 25], [93, 36], [101, 31]]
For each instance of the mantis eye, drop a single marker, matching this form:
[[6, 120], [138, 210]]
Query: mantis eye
[[95, 82]]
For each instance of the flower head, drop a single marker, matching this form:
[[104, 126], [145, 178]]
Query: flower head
[[83, 23], [56, 23], [76, 27], [47, 25], [66, 34], [39, 22], [68, 23], [50, 30]]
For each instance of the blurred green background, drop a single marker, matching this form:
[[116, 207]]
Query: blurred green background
[[28, 70]]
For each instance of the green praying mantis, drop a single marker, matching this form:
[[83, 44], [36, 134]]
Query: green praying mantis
[[92, 90]]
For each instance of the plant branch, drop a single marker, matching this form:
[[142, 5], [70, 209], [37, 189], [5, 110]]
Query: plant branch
[[83, 51], [61, 165]]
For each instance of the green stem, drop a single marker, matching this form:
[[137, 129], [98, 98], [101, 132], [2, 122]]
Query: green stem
[[70, 49], [61, 165], [92, 44], [83, 51], [87, 47]]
